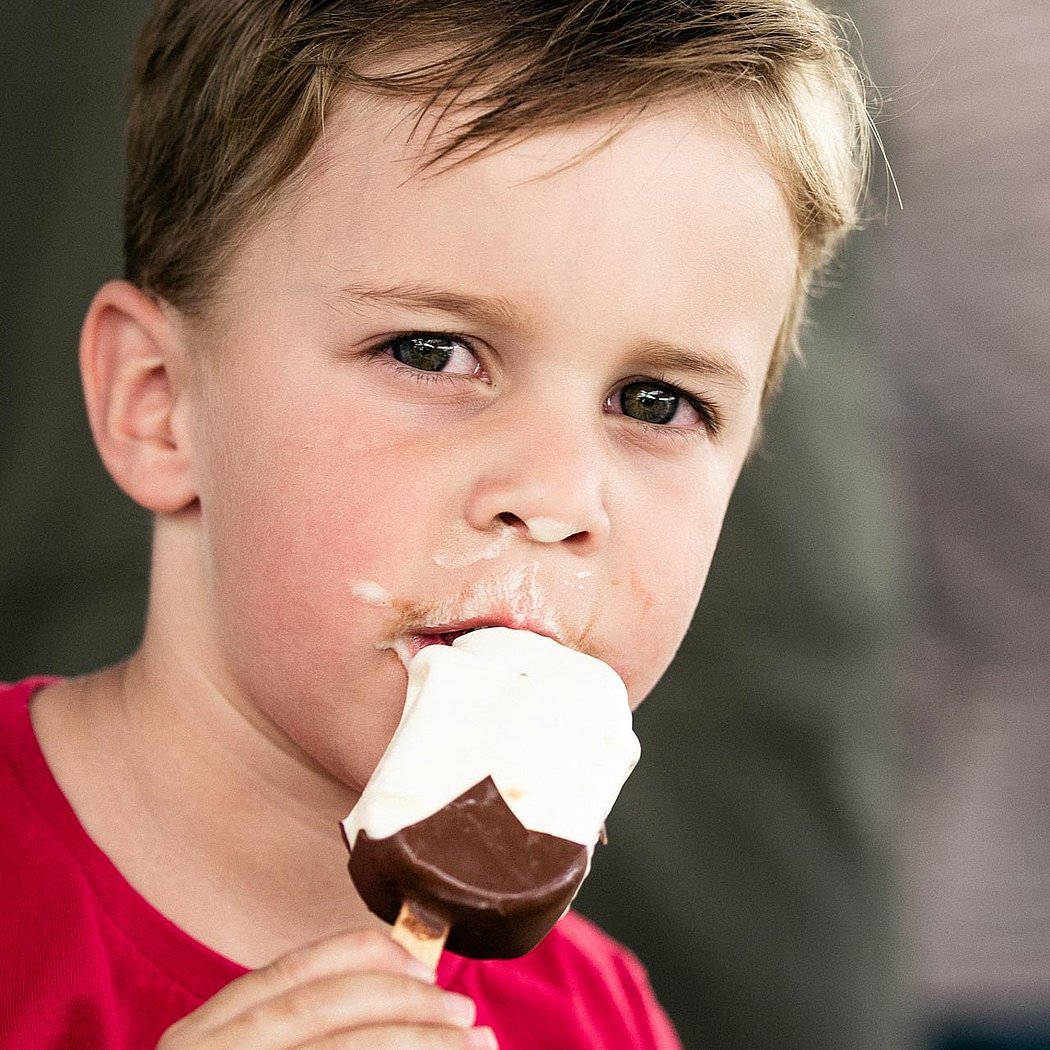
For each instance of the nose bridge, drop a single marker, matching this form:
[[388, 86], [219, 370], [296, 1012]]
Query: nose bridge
[[546, 471]]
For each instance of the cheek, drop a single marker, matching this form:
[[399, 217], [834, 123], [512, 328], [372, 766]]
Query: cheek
[[663, 585], [291, 532], [291, 548], [295, 508]]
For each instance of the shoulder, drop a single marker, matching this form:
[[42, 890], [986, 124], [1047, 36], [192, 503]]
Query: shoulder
[[25, 780], [15, 696], [19, 752], [84, 960], [578, 989], [41, 924]]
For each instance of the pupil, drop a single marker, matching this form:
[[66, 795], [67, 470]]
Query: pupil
[[425, 352], [648, 403]]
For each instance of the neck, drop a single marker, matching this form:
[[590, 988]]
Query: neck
[[222, 826]]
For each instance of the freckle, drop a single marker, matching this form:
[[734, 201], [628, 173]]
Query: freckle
[[639, 588]]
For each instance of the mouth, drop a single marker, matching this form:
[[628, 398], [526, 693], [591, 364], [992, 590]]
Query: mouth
[[414, 638], [446, 634], [427, 638], [512, 599]]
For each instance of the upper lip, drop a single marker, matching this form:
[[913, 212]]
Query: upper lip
[[514, 599]]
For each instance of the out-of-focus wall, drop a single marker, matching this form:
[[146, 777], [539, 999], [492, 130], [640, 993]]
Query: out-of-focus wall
[[957, 297], [73, 550]]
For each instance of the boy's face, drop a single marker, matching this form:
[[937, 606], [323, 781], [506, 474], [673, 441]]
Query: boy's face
[[518, 391]]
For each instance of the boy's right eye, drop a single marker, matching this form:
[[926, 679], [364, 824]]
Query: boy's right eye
[[434, 352]]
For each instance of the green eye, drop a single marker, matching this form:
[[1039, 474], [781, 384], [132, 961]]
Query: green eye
[[650, 402], [435, 352], [428, 353]]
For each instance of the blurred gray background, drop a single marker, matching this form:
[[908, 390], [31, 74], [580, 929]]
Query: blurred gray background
[[837, 838]]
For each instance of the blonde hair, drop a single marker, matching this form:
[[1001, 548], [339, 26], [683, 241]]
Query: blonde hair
[[229, 96]]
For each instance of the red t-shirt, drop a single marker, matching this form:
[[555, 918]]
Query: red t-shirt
[[86, 963]]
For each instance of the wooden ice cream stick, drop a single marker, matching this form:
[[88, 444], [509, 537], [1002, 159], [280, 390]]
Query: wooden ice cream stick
[[420, 933]]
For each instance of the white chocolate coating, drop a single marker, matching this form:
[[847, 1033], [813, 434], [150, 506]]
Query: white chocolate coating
[[551, 726]]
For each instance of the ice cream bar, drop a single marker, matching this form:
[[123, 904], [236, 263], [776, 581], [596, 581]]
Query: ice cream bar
[[487, 804]]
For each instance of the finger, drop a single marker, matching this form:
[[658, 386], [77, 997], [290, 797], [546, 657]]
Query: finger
[[342, 1003], [409, 1037], [352, 952]]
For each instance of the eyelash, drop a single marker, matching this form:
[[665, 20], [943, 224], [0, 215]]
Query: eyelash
[[705, 407], [384, 351]]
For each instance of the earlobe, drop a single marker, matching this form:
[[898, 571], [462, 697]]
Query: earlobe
[[133, 369]]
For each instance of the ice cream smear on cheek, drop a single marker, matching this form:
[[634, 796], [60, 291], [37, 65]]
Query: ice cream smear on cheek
[[370, 593], [532, 741]]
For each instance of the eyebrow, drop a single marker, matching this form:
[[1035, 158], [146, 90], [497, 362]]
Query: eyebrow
[[674, 358], [499, 311], [484, 309]]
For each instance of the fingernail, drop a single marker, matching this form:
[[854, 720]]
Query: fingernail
[[460, 1009], [482, 1039]]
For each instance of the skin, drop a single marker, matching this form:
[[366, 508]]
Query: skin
[[324, 508]]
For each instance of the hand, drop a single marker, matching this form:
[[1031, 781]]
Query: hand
[[355, 990]]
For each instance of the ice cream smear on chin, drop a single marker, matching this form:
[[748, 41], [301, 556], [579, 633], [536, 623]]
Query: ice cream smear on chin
[[486, 806]]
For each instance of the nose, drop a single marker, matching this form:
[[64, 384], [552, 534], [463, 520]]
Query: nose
[[548, 483]]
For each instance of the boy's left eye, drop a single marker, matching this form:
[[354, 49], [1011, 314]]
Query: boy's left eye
[[434, 352], [656, 403]]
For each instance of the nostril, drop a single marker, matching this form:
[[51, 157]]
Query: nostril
[[545, 530], [549, 530]]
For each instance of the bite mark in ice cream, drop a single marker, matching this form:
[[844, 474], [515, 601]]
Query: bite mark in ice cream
[[497, 885], [489, 800]]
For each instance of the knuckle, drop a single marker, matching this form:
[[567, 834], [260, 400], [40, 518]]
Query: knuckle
[[291, 1015], [295, 968], [295, 1010], [372, 943]]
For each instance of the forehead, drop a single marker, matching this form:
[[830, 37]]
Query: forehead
[[645, 213], [381, 150]]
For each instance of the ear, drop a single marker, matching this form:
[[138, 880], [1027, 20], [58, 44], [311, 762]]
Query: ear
[[133, 367]]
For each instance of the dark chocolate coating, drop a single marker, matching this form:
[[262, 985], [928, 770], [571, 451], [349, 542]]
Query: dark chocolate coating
[[500, 886]]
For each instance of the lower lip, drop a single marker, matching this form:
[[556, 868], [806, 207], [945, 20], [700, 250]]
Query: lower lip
[[407, 647], [424, 640]]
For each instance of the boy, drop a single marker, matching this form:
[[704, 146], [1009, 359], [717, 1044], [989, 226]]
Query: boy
[[404, 281]]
